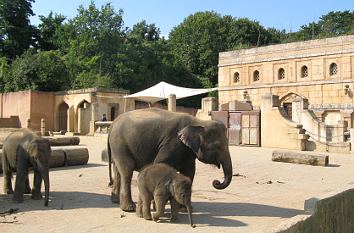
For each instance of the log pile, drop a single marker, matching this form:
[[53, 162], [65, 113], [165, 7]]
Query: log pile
[[65, 152]]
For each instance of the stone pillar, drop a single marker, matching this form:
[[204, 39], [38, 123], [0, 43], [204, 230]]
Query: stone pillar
[[42, 127], [93, 117], [351, 131], [172, 103], [269, 101], [209, 104], [296, 106]]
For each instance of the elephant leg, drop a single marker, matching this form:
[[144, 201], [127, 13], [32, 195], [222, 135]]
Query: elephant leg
[[125, 167], [7, 173], [27, 186], [160, 202], [125, 196], [174, 209], [188, 171], [21, 174], [115, 185], [146, 201], [37, 183], [139, 208]]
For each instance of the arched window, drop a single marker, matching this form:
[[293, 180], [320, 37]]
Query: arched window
[[281, 74], [236, 77], [255, 76], [304, 72], [333, 69]]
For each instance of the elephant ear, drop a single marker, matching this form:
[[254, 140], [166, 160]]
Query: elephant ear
[[190, 136]]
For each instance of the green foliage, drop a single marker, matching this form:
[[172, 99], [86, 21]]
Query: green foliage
[[94, 40], [16, 33], [49, 31], [43, 71]]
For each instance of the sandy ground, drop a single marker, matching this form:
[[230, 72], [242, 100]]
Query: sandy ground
[[80, 198]]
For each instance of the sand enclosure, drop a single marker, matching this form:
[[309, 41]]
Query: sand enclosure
[[262, 195]]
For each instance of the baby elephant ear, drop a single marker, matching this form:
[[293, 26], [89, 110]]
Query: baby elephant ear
[[190, 136]]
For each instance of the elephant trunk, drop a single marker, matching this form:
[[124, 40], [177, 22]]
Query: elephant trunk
[[189, 208], [227, 168], [46, 185]]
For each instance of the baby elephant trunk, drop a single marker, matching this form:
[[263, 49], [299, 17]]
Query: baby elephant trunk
[[189, 208]]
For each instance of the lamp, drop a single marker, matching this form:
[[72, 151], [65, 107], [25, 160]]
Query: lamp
[[245, 95], [346, 89]]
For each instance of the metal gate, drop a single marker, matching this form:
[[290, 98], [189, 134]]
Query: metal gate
[[250, 128], [244, 128]]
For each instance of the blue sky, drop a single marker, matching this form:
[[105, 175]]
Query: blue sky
[[166, 14]]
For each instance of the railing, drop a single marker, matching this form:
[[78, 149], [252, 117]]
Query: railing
[[102, 126]]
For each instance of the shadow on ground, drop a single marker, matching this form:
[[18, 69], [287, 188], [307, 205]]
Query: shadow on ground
[[59, 201], [217, 213]]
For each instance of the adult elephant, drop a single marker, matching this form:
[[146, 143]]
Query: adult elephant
[[146, 136], [23, 149]]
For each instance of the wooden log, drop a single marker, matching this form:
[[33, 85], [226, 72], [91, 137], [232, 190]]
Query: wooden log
[[76, 155], [300, 158], [63, 141], [57, 159]]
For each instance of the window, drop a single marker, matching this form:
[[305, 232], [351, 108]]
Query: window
[[304, 72], [255, 76], [281, 74], [333, 69], [236, 77]]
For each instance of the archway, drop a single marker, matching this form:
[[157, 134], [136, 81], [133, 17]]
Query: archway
[[63, 116]]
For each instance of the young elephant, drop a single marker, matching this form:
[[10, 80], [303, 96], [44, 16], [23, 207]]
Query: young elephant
[[160, 182], [23, 149]]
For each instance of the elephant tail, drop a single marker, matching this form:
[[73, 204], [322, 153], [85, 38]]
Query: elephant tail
[[109, 163]]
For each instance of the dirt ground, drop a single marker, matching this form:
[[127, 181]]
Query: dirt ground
[[261, 196]]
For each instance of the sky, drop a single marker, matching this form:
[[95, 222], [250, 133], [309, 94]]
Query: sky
[[166, 14]]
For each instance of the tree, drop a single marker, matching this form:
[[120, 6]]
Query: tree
[[197, 42], [336, 23], [199, 39], [17, 35], [43, 71], [49, 30], [95, 38]]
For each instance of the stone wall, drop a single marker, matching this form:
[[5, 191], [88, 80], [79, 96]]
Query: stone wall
[[333, 213], [319, 86]]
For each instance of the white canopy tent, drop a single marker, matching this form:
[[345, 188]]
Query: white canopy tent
[[162, 90]]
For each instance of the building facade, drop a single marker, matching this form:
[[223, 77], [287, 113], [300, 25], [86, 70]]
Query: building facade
[[71, 111], [317, 71]]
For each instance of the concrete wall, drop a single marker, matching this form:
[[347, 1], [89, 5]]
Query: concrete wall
[[275, 126], [333, 213], [42, 106], [16, 104]]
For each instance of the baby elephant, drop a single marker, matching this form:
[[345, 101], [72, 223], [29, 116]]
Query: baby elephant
[[160, 182], [23, 149]]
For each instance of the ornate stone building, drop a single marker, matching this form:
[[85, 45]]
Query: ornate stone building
[[72, 111], [320, 72]]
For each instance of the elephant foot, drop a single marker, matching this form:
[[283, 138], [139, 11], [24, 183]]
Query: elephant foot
[[148, 217], [130, 207], [17, 199], [155, 217], [8, 191], [115, 198], [37, 196], [28, 191], [174, 219]]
